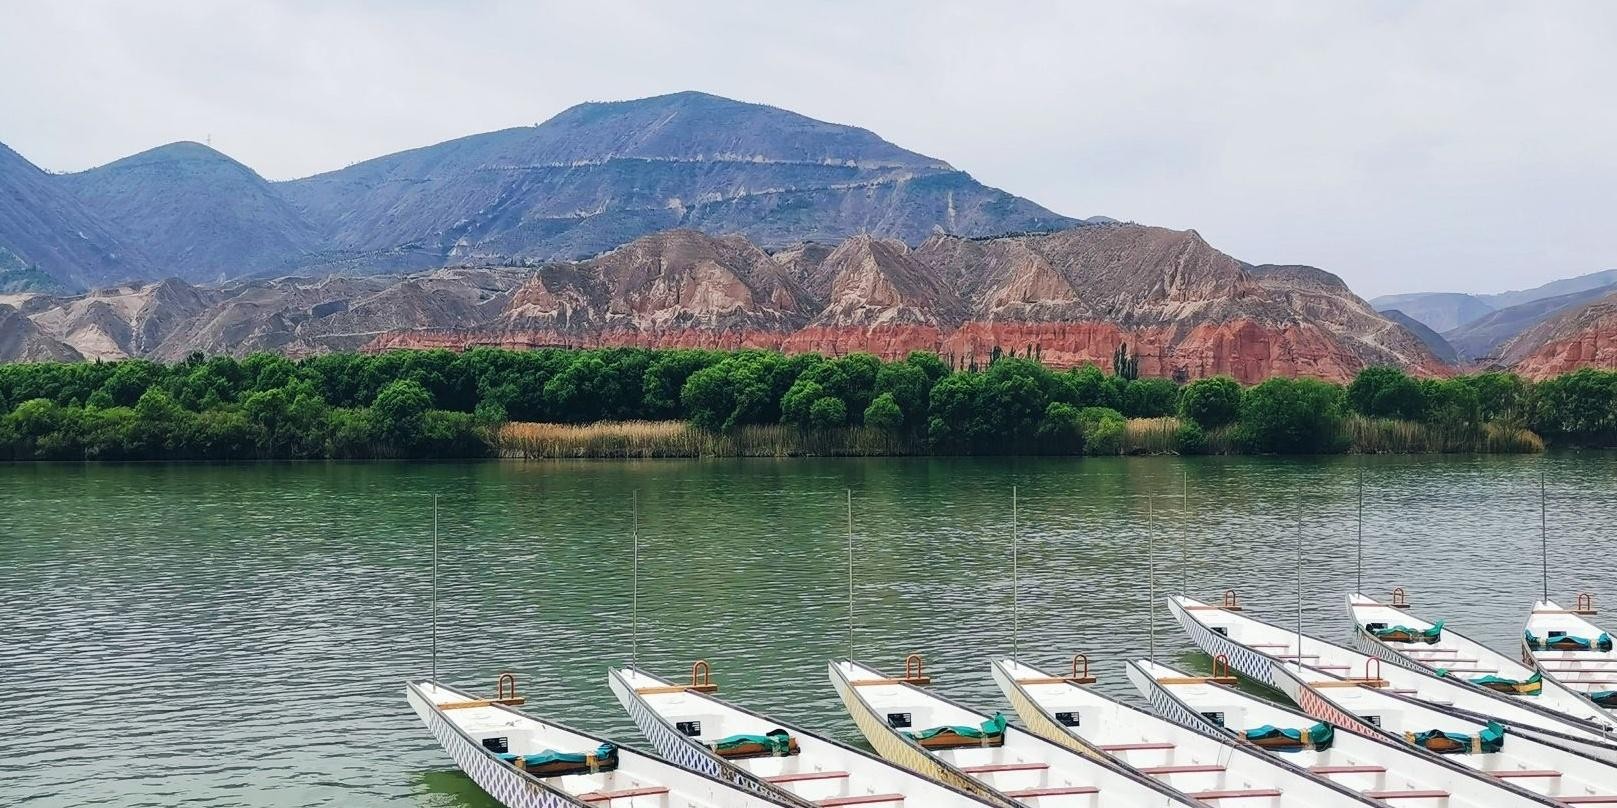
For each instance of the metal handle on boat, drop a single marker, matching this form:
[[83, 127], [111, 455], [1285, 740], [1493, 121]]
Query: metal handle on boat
[[1372, 675], [1585, 605], [500, 685], [701, 674], [1400, 598], [1221, 667], [1231, 604], [912, 667], [1080, 670]]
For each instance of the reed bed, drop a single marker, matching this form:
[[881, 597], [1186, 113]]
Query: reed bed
[[650, 439], [1151, 436], [1391, 436]]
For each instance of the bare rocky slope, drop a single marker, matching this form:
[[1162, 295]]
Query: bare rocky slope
[[1582, 336], [1069, 297]]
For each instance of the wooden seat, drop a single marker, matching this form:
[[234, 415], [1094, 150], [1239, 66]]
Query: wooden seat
[[1130, 747], [1237, 793], [1413, 794], [608, 796], [802, 776], [861, 799], [1153, 770], [1349, 769], [1588, 799], [1527, 773], [1005, 767], [1052, 792]]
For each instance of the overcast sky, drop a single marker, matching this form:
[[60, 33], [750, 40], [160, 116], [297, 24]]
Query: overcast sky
[[1405, 146]]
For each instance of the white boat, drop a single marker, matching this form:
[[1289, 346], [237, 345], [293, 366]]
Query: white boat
[[1487, 746], [1395, 773], [983, 754], [700, 731], [1573, 651], [1254, 648], [524, 762], [1192, 760], [1400, 637]]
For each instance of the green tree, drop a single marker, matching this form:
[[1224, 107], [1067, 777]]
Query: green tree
[[1293, 416], [1190, 438], [1500, 396], [1150, 398], [1103, 430], [828, 412], [1062, 431], [398, 415], [1092, 388], [1211, 402], [1579, 408], [907, 383], [884, 413], [1386, 392]]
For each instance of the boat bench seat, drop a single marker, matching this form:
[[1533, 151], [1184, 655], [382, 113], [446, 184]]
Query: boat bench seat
[[1237, 793], [1349, 769], [1005, 767], [1412, 794], [799, 777], [1130, 747], [608, 796], [1052, 792], [1527, 773], [1588, 799], [861, 799], [1155, 770]]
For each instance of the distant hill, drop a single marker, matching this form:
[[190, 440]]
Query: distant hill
[[601, 174], [1481, 339], [44, 227], [1439, 311], [1433, 340], [196, 213], [594, 177]]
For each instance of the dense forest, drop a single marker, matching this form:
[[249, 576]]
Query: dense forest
[[444, 404]]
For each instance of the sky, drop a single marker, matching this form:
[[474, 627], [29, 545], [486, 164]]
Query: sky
[[1406, 146]]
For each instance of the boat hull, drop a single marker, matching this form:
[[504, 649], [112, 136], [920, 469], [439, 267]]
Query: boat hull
[[505, 784]]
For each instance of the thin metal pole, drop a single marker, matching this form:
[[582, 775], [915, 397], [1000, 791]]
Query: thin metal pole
[[1544, 533], [1016, 595], [1359, 585], [435, 587], [851, 654], [1151, 573], [634, 608], [1184, 536], [1299, 580]]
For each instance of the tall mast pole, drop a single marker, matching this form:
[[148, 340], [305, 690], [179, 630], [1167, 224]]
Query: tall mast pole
[[1359, 585], [435, 587], [1151, 573], [634, 607], [1544, 533], [851, 654], [1016, 595]]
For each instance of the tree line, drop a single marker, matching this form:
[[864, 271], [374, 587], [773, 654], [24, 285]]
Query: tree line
[[444, 404]]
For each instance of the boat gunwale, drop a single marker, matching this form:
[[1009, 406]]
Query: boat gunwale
[[1362, 635], [1227, 740], [1380, 739], [1174, 795], [1602, 735], [874, 758], [530, 777], [1550, 675]]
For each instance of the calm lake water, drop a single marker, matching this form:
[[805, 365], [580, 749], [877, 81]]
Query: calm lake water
[[239, 635]]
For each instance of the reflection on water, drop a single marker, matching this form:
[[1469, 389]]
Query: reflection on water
[[239, 635]]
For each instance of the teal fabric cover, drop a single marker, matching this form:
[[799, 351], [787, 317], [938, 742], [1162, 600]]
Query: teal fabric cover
[[603, 753], [778, 742], [1430, 635], [1568, 642], [1320, 736], [993, 726], [1492, 739]]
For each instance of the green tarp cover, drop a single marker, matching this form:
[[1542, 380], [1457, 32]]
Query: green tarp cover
[[1604, 698], [1429, 635], [1531, 687], [778, 742], [1492, 739], [603, 753], [991, 727], [1568, 642], [1320, 735]]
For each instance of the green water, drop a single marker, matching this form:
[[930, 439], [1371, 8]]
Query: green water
[[239, 635]]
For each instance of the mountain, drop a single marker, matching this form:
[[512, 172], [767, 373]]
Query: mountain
[[1480, 340], [1440, 311], [1450, 311], [599, 175], [1069, 297], [1440, 347], [197, 214], [1576, 337], [44, 227]]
